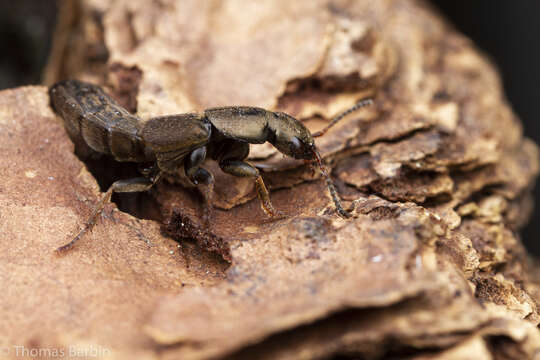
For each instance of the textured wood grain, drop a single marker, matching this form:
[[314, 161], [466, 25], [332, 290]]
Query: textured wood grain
[[430, 267]]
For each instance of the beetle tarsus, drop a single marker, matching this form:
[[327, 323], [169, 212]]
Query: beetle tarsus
[[331, 187], [129, 185], [264, 197], [337, 202], [208, 210], [89, 223]]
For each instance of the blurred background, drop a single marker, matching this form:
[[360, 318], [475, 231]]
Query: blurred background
[[507, 31]]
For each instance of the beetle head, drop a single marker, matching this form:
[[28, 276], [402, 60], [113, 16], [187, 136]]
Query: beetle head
[[292, 138]]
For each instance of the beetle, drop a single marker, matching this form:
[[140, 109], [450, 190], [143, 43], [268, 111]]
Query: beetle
[[98, 124]]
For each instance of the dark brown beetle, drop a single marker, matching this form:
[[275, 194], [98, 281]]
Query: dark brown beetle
[[97, 124]]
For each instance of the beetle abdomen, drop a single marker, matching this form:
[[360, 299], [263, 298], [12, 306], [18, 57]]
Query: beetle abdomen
[[93, 118]]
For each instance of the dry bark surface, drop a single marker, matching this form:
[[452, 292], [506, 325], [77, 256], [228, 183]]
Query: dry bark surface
[[430, 267]]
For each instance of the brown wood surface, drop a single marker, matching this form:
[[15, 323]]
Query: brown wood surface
[[430, 267]]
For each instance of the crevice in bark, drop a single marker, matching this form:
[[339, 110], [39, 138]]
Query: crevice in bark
[[340, 323]]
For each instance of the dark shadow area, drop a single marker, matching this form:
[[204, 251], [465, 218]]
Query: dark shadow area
[[106, 171], [26, 30], [349, 322]]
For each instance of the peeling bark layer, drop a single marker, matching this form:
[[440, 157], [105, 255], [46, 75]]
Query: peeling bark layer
[[430, 267]]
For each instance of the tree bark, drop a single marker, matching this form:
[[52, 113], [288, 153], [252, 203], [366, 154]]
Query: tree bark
[[429, 267]]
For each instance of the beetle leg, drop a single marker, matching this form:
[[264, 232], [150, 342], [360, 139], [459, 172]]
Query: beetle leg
[[231, 158], [244, 169], [331, 187], [198, 175], [264, 198], [194, 172], [122, 186]]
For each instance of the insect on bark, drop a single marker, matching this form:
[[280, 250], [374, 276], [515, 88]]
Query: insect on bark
[[98, 124]]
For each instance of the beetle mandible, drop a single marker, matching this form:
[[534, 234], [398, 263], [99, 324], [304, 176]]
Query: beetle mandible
[[97, 123]]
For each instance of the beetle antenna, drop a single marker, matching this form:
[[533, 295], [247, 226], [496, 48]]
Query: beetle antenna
[[331, 187], [360, 104]]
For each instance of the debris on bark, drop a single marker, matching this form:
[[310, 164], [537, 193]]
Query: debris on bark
[[439, 173]]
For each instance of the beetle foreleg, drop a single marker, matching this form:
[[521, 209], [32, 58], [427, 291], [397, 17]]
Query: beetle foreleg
[[243, 169], [231, 158], [130, 185], [198, 175], [264, 198], [331, 187], [194, 172]]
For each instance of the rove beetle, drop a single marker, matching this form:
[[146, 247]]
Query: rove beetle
[[97, 123]]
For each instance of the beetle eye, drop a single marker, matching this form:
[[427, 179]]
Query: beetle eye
[[299, 149], [296, 144]]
